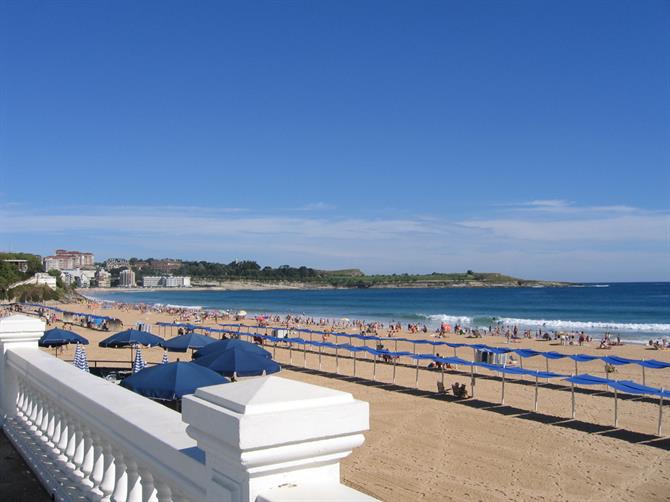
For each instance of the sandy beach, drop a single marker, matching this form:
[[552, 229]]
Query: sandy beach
[[425, 446]]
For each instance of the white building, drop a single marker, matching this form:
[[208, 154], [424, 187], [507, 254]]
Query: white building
[[78, 277], [45, 279], [166, 281], [152, 281], [127, 278], [103, 278]]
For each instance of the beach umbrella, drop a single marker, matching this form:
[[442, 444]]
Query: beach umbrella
[[238, 362], [139, 363], [80, 361], [172, 380], [131, 338], [182, 343], [165, 359], [235, 344], [57, 337]]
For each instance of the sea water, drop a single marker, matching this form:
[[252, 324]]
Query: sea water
[[635, 311]]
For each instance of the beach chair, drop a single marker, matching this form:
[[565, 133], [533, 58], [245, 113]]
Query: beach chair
[[441, 389]]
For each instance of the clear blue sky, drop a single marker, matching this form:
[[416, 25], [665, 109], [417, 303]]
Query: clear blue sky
[[526, 137]]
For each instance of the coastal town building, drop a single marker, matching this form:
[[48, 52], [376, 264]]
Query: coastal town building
[[21, 265], [78, 277], [68, 260], [166, 281], [151, 281], [127, 279], [103, 278], [114, 263]]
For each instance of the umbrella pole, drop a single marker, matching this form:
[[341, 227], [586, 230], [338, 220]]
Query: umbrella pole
[[394, 365], [274, 350], [396, 345], [290, 354], [442, 374], [644, 377], [374, 368], [535, 406], [572, 390], [337, 362], [660, 413], [616, 409], [547, 361], [455, 352], [416, 384], [304, 355], [576, 370], [502, 397], [319, 358], [354, 363], [472, 380]]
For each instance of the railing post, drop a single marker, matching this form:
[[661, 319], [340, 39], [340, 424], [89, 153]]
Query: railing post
[[15, 331], [268, 432]]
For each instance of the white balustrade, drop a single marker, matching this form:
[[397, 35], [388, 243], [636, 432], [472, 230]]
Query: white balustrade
[[87, 438]]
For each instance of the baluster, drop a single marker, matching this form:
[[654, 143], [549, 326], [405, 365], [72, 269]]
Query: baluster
[[39, 413], [71, 446], [98, 468], [120, 478], [58, 430], [64, 440], [43, 424], [78, 458], [51, 425], [21, 399], [163, 491], [148, 488], [87, 461], [108, 472], [32, 417], [134, 486], [27, 406]]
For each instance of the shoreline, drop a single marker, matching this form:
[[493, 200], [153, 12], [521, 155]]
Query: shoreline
[[627, 332]]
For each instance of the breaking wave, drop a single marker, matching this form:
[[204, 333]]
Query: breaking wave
[[553, 324]]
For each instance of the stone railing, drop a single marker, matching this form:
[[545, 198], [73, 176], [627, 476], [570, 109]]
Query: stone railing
[[264, 439]]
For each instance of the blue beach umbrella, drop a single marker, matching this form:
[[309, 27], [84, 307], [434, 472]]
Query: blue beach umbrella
[[131, 338], [234, 344], [171, 381], [57, 337], [238, 362], [182, 343]]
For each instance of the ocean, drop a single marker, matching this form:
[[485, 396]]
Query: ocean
[[635, 311]]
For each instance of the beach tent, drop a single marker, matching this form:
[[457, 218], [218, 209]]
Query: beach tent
[[171, 381]]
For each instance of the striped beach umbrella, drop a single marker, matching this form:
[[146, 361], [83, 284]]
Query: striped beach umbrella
[[139, 363], [165, 358], [80, 359]]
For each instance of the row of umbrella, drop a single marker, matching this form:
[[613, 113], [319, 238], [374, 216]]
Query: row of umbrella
[[213, 360]]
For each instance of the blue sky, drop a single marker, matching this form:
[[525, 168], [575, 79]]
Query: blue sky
[[531, 138]]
